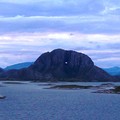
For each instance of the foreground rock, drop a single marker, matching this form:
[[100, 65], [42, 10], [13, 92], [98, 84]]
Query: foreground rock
[[60, 65], [2, 97], [108, 88]]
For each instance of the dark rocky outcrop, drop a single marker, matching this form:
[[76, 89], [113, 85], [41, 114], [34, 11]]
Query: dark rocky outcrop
[[60, 65], [2, 97]]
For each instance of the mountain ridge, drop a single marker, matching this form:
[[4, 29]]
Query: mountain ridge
[[18, 66], [60, 65], [113, 70]]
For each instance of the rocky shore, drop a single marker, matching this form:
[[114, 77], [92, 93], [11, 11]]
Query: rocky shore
[[107, 88], [115, 90]]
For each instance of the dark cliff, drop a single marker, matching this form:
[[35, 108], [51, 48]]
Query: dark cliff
[[60, 65]]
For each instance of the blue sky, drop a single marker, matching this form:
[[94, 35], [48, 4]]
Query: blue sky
[[29, 28]]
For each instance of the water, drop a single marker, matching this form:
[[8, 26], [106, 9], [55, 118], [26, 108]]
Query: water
[[31, 102]]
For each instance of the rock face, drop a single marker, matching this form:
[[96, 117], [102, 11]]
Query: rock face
[[1, 70], [60, 65]]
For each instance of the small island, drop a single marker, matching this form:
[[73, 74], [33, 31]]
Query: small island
[[2, 97], [70, 87], [107, 88]]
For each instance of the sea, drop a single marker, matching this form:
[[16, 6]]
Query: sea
[[32, 101]]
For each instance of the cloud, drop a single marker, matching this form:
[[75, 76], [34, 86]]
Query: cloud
[[82, 24], [29, 28], [86, 16], [57, 7], [89, 41], [12, 58], [104, 58], [111, 7], [31, 45], [50, 7]]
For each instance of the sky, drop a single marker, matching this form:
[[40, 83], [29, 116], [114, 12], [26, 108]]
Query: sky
[[29, 28]]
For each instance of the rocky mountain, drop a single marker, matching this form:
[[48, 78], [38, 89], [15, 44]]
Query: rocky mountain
[[60, 65], [1, 70], [19, 66]]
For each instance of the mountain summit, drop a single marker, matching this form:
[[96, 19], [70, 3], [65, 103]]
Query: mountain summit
[[60, 65]]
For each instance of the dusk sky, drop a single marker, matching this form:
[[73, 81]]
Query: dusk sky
[[29, 28]]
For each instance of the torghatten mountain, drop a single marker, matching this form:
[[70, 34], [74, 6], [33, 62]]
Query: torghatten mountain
[[60, 65]]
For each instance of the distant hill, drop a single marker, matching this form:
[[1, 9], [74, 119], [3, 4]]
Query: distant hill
[[19, 66], [113, 70]]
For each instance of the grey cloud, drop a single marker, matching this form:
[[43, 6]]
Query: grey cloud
[[105, 59], [59, 8], [114, 46], [51, 8], [83, 16], [104, 55], [89, 20], [35, 24], [30, 25]]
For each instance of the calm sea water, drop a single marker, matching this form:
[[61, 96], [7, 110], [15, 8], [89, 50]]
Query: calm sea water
[[31, 102]]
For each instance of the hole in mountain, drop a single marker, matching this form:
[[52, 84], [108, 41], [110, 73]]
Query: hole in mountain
[[66, 62]]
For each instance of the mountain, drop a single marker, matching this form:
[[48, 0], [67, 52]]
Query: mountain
[[60, 65], [1, 70], [113, 71], [19, 66]]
